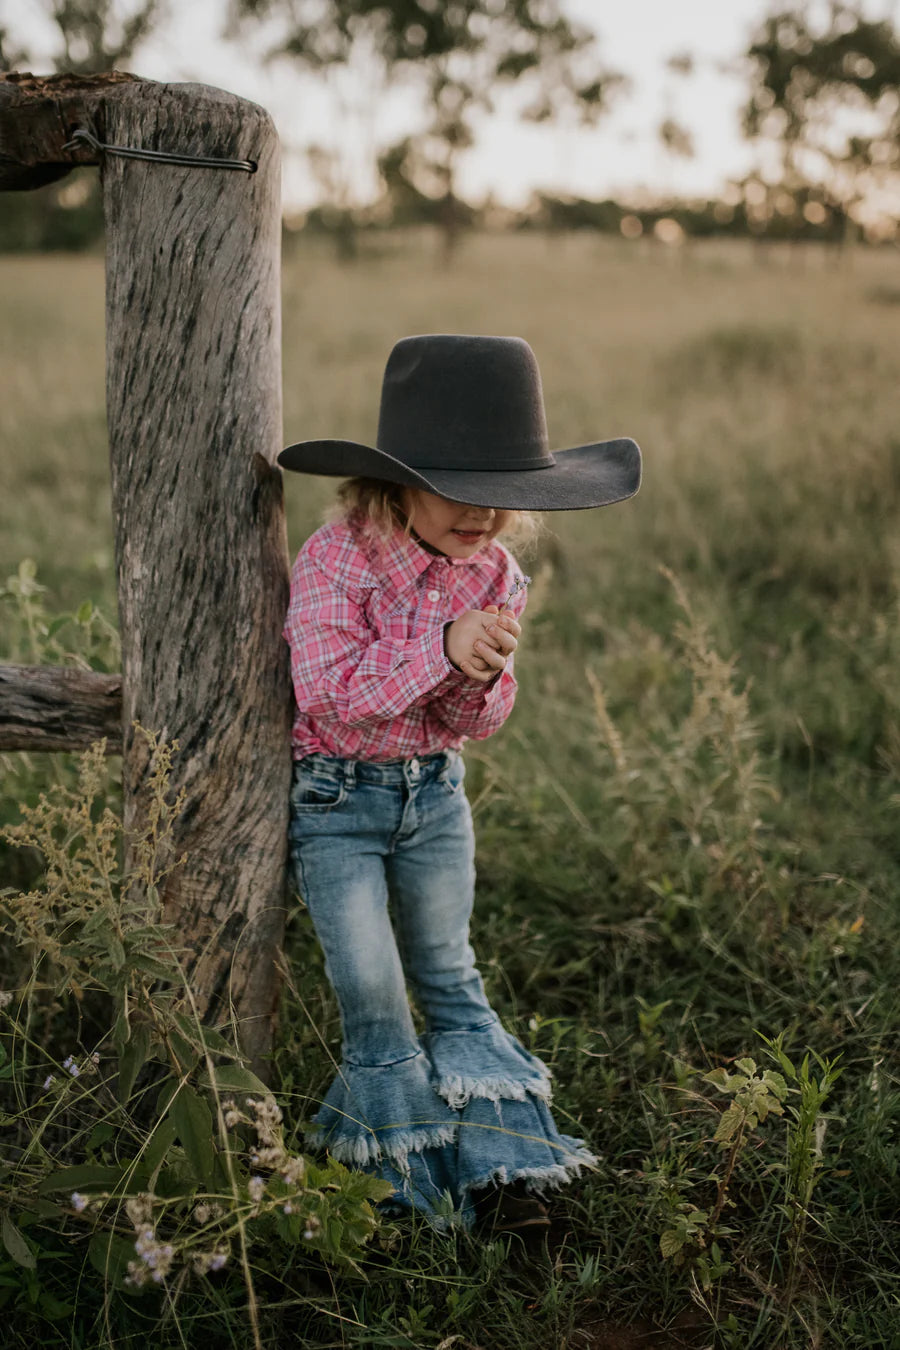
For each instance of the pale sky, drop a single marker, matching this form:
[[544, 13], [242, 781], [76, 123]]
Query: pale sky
[[619, 157]]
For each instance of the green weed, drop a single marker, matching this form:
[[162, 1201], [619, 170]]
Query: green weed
[[156, 1153], [693, 844]]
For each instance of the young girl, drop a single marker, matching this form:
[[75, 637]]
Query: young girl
[[403, 623]]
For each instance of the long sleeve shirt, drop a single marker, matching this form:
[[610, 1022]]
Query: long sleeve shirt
[[365, 626]]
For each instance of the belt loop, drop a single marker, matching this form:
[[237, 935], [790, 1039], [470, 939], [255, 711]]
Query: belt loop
[[349, 773]]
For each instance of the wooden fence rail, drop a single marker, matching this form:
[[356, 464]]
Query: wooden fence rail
[[50, 708]]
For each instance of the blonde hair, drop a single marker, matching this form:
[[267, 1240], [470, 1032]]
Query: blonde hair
[[378, 506]]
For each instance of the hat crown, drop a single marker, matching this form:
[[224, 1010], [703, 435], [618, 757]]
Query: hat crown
[[463, 403]]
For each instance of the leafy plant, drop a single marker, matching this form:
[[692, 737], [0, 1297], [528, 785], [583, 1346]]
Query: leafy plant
[[805, 1138], [158, 1146], [32, 634], [692, 1235]]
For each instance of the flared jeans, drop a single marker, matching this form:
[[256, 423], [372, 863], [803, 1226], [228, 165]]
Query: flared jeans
[[383, 856]]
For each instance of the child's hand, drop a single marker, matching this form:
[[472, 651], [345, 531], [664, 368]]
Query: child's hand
[[477, 662], [479, 642]]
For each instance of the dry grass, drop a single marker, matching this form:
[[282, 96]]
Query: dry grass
[[697, 824]]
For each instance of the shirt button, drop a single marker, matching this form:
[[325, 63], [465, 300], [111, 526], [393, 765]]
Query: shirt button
[[434, 595]]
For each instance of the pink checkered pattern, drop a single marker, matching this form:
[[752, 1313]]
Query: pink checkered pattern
[[366, 632]]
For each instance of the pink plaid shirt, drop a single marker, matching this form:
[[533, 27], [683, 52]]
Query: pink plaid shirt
[[365, 627]]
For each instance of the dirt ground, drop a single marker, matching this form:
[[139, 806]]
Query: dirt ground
[[685, 1333]]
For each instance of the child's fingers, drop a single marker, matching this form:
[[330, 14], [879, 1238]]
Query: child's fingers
[[505, 640], [482, 676], [509, 621], [491, 655], [489, 634]]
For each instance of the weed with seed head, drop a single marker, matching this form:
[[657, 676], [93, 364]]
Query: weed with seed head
[[157, 1152]]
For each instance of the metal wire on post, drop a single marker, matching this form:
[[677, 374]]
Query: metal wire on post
[[82, 135]]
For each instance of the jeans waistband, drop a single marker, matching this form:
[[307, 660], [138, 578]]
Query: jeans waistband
[[418, 767]]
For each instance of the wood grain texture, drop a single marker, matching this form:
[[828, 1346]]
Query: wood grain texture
[[38, 114], [194, 412], [57, 708]]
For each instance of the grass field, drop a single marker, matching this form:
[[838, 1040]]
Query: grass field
[[688, 830]]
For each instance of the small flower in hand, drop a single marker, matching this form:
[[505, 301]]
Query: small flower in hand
[[519, 584]]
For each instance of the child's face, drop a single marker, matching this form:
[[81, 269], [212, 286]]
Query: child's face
[[451, 527]]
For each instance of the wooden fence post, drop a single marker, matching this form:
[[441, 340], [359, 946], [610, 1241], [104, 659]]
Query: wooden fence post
[[194, 414]]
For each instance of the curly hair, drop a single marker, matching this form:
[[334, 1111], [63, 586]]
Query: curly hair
[[379, 506]]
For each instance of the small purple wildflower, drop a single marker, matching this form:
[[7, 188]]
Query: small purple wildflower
[[156, 1257], [217, 1260], [519, 584], [78, 1201]]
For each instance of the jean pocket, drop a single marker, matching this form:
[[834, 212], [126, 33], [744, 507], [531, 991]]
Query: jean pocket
[[312, 791], [451, 780]]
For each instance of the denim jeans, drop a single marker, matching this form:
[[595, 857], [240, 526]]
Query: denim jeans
[[383, 855]]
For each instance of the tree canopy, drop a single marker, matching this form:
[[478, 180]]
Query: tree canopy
[[92, 35], [458, 56], [828, 95]]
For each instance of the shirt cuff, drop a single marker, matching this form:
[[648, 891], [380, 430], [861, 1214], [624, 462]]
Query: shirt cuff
[[471, 694], [434, 658]]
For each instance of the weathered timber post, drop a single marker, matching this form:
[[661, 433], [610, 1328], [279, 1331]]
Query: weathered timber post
[[58, 708], [194, 414]]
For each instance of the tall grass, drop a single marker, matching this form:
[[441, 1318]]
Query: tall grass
[[687, 832]]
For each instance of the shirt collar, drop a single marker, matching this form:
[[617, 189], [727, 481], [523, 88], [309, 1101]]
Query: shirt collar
[[404, 560]]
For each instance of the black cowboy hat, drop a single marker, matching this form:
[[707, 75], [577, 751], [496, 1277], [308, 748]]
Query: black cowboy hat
[[463, 417]]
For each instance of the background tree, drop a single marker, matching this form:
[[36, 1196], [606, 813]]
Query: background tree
[[826, 96], [12, 55], [674, 136], [676, 139], [411, 192], [91, 35], [458, 56], [88, 36]]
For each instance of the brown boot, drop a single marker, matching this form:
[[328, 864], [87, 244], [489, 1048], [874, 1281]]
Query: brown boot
[[510, 1209]]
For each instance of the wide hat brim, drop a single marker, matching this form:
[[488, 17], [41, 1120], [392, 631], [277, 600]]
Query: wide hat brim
[[584, 476]]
